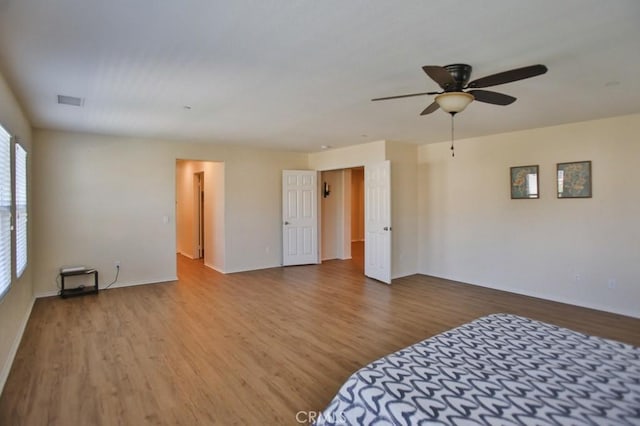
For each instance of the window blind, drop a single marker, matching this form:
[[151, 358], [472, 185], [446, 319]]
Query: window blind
[[5, 211], [21, 209]]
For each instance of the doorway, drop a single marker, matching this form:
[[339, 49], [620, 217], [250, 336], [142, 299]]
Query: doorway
[[342, 218], [200, 212], [357, 216], [198, 208]]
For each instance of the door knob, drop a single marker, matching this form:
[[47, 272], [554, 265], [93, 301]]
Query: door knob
[[386, 228], [286, 223]]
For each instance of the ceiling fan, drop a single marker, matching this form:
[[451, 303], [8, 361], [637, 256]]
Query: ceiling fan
[[454, 80]]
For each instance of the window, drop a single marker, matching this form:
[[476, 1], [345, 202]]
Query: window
[[12, 166], [5, 211], [21, 210]]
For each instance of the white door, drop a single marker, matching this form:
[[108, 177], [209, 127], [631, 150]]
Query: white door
[[377, 221], [299, 217]]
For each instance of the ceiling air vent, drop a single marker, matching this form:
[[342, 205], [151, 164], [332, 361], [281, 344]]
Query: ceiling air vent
[[70, 100]]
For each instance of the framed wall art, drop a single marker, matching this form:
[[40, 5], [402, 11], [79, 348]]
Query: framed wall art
[[574, 179], [524, 182]]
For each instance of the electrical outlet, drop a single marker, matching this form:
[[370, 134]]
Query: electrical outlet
[[612, 283], [116, 263], [577, 278]]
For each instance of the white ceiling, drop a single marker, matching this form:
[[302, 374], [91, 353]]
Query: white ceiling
[[298, 74]]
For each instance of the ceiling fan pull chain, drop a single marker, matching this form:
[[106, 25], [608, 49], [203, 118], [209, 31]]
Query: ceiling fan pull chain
[[453, 154]]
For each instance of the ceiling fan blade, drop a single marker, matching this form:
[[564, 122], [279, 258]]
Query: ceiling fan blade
[[405, 96], [431, 108], [508, 76], [440, 75], [492, 97]]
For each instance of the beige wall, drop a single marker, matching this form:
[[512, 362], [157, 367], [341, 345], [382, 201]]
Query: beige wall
[[348, 157], [214, 210], [102, 199], [471, 231], [16, 304]]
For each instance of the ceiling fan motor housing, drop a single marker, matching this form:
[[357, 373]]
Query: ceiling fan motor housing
[[461, 74]]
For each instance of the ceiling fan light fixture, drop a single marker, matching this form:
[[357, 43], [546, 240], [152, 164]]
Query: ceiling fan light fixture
[[454, 102]]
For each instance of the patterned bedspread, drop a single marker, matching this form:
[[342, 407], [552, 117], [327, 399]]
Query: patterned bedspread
[[497, 370]]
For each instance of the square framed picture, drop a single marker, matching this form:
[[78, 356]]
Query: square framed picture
[[574, 179], [524, 182]]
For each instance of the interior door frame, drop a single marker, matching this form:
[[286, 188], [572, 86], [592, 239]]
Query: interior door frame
[[387, 278]]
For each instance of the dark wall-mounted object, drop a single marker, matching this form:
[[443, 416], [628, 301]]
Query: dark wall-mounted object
[[326, 190]]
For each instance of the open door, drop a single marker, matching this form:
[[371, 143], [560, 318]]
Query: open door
[[299, 217], [377, 221]]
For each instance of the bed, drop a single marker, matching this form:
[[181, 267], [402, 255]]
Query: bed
[[497, 370]]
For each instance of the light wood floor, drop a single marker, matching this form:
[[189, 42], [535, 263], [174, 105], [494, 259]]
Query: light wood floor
[[247, 348]]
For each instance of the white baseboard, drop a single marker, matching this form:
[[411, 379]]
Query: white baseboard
[[254, 268], [552, 298], [214, 268], [48, 293], [135, 283], [115, 285], [6, 368], [186, 255]]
